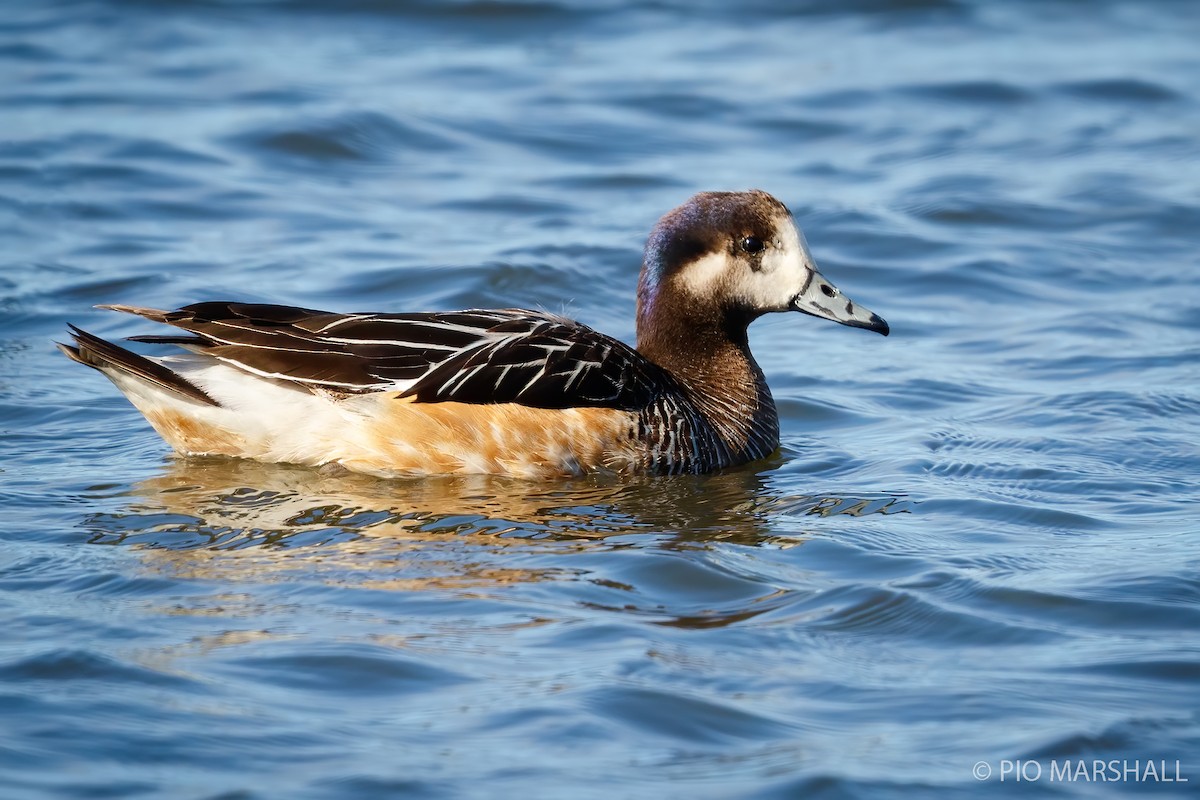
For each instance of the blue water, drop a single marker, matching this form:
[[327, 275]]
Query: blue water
[[978, 542]]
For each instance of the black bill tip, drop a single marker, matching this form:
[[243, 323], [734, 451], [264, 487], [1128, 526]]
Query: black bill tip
[[875, 323]]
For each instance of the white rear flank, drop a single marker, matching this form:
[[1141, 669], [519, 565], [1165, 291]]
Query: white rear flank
[[256, 418]]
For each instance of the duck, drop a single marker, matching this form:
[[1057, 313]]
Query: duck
[[502, 391]]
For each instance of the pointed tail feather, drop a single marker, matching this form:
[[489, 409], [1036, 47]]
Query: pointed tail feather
[[101, 354], [154, 314]]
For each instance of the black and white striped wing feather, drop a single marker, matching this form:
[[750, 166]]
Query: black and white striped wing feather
[[475, 356], [546, 362]]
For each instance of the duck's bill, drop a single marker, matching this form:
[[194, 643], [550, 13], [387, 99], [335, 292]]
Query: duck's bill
[[821, 298]]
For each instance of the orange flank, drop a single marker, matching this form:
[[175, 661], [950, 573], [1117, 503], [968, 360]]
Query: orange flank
[[390, 435], [188, 434], [503, 438]]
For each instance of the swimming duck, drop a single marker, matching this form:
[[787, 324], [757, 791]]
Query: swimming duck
[[509, 391]]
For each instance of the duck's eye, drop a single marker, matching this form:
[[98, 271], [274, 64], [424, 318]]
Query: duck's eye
[[752, 244]]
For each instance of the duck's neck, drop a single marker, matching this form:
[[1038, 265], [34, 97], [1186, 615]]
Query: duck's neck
[[708, 353]]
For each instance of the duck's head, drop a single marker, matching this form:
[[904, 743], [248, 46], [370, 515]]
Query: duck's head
[[726, 258]]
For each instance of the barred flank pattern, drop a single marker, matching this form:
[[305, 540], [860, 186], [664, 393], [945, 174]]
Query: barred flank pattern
[[678, 440], [694, 432]]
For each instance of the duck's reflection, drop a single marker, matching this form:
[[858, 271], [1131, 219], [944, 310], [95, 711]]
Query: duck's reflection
[[204, 515]]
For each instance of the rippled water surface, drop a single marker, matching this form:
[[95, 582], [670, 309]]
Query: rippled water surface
[[978, 541]]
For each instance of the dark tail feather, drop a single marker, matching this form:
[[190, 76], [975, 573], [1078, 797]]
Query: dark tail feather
[[98, 353], [182, 339]]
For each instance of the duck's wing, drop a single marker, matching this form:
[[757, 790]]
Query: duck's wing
[[475, 356]]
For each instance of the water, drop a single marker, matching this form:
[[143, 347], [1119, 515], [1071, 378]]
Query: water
[[978, 542]]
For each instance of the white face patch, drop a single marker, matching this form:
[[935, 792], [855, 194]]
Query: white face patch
[[787, 267], [705, 277], [784, 270]]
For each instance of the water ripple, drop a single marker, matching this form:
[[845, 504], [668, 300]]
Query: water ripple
[[687, 720], [73, 665], [363, 136]]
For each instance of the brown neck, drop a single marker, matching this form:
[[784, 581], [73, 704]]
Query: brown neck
[[707, 351]]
